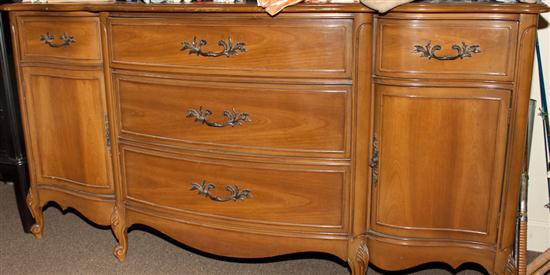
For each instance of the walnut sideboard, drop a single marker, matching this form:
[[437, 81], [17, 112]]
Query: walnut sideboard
[[395, 139]]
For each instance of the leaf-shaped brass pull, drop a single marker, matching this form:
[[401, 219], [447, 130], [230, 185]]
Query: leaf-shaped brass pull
[[430, 51], [235, 193], [233, 118], [229, 49], [65, 38]]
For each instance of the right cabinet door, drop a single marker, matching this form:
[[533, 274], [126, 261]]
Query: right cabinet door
[[438, 161]]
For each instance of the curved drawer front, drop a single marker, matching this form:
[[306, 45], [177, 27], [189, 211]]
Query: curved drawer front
[[281, 119], [233, 191], [59, 38], [291, 47], [459, 49]]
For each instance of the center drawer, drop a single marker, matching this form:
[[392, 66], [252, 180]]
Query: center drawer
[[285, 46], [191, 187], [301, 120]]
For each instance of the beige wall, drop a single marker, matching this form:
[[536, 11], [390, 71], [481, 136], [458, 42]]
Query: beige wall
[[538, 232]]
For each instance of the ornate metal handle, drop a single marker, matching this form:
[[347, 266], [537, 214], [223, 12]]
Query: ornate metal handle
[[462, 51], [65, 38], [234, 192], [233, 118], [229, 49]]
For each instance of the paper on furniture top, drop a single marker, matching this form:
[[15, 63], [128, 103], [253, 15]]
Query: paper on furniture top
[[275, 6], [383, 5]]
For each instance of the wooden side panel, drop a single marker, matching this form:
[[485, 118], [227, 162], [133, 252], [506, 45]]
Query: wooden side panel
[[517, 142], [66, 116], [441, 161]]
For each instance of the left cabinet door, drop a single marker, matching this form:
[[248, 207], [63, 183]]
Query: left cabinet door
[[67, 128]]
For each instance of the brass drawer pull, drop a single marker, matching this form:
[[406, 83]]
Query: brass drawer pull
[[229, 49], [233, 118], [65, 38], [462, 51], [234, 192]]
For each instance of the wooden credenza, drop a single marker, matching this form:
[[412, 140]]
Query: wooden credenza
[[395, 139]]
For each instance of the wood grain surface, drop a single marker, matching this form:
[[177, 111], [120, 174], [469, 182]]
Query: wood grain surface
[[306, 198], [396, 55], [285, 47], [356, 142], [285, 119], [66, 113], [441, 159], [86, 47]]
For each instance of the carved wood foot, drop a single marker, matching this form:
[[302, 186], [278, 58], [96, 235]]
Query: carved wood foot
[[36, 212], [358, 256], [510, 267], [118, 226]]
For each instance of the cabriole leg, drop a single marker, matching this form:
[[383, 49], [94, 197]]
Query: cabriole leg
[[36, 211], [118, 225], [21, 188], [358, 258]]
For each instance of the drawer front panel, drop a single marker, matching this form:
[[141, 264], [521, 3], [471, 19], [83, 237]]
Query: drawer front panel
[[264, 194], [459, 49], [271, 46], [287, 119], [67, 39]]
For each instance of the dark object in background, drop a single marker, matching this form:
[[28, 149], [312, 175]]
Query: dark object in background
[[13, 163]]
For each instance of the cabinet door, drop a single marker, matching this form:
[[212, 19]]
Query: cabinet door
[[66, 126], [440, 167]]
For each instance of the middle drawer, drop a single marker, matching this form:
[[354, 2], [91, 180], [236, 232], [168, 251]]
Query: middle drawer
[[292, 120]]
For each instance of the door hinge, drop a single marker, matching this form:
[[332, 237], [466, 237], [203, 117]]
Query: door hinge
[[498, 223], [24, 90], [373, 163], [107, 131]]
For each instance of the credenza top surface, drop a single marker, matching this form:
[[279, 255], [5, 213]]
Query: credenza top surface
[[427, 6]]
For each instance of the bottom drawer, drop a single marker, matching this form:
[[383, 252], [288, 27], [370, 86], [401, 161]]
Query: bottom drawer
[[239, 191]]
